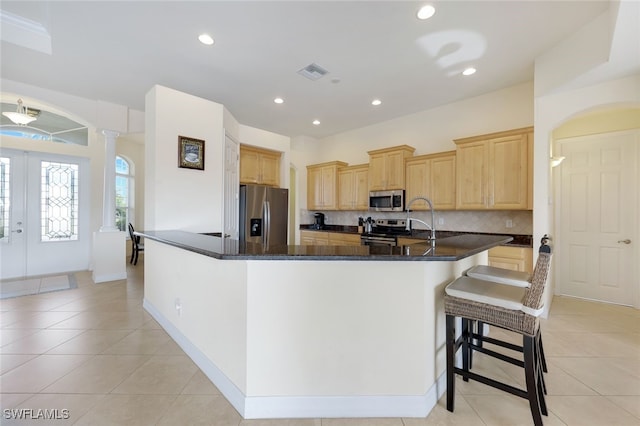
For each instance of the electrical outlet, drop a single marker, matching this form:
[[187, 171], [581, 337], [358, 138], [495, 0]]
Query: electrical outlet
[[509, 223], [178, 304], [441, 221]]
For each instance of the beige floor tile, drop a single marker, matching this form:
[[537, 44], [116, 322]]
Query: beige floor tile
[[170, 348], [40, 372], [200, 410], [42, 319], [629, 403], [159, 375], [199, 384], [101, 374], [11, 361], [140, 342], [463, 415], [40, 342], [84, 321], [506, 410], [130, 410], [124, 320], [607, 376], [8, 317], [282, 422], [486, 366], [68, 408], [363, 422], [590, 411], [90, 342], [11, 335], [11, 400]]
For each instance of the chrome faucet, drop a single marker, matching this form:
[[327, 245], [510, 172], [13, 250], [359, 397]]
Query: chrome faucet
[[431, 227]]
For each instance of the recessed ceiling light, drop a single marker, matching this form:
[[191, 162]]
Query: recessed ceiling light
[[426, 12], [206, 39], [376, 102], [278, 100], [316, 122], [469, 71]]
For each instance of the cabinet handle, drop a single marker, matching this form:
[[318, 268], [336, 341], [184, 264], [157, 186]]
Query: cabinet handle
[[627, 241]]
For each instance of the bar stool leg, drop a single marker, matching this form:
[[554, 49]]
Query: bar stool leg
[[451, 377], [466, 349], [531, 376]]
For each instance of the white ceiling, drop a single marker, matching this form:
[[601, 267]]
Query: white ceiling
[[116, 51]]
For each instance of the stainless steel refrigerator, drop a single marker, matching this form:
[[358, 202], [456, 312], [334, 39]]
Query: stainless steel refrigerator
[[264, 213]]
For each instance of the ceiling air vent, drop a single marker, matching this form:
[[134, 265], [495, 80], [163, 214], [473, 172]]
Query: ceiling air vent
[[313, 72]]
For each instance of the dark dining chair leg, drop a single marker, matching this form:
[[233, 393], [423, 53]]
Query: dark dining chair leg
[[466, 349]]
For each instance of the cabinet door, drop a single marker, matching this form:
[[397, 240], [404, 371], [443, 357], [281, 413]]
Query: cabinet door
[[377, 179], [508, 174], [394, 170], [361, 188], [471, 181], [314, 188], [514, 258], [329, 188], [270, 169], [443, 182], [346, 190], [417, 183], [249, 166]]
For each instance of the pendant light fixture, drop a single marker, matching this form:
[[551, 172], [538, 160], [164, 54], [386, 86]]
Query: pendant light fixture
[[21, 116]]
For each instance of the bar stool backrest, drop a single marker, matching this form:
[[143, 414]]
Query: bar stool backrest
[[533, 294]]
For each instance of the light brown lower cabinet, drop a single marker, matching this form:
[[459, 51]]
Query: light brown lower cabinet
[[323, 238], [514, 258]]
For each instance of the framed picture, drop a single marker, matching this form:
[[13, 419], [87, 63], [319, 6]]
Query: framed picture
[[190, 153]]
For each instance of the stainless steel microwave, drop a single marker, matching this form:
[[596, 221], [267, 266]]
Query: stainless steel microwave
[[386, 201]]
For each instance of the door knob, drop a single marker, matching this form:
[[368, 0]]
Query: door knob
[[627, 241]]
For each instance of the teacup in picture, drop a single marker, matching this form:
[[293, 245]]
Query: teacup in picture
[[190, 153]]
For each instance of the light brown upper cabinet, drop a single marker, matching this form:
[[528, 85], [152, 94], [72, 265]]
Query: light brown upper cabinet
[[353, 187], [261, 166], [322, 185], [386, 167], [494, 171], [432, 176]]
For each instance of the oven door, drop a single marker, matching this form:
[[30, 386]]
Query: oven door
[[379, 241]]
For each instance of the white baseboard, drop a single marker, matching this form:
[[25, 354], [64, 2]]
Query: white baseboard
[[273, 407]]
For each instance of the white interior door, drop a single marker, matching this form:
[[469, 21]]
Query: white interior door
[[598, 215], [46, 214]]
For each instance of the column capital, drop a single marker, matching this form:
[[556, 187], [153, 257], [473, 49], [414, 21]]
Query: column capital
[[110, 134]]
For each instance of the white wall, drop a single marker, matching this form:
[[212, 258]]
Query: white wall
[[180, 198]]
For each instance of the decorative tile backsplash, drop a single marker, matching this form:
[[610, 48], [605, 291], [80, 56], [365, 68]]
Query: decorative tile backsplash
[[498, 221]]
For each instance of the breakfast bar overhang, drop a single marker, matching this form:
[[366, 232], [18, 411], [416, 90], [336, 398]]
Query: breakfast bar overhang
[[310, 331]]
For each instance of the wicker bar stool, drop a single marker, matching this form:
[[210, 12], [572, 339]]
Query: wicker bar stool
[[506, 306], [508, 277]]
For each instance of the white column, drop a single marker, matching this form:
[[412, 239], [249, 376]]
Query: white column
[[109, 204], [109, 244]]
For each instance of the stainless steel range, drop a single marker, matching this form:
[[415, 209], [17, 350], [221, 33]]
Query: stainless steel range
[[385, 233]]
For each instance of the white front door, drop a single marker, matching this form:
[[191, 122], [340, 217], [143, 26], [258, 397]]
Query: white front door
[[45, 214], [597, 251]]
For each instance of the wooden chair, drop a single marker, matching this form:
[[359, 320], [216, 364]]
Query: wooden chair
[[501, 305], [136, 246]]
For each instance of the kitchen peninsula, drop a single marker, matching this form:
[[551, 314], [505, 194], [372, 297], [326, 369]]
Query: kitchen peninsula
[[310, 331]]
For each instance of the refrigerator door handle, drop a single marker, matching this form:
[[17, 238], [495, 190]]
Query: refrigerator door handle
[[267, 223]]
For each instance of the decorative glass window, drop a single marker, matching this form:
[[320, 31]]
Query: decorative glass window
[[59, 201], [5, 200], [124, 193]]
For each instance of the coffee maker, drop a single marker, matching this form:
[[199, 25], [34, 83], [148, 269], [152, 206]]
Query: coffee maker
[[318, 220]]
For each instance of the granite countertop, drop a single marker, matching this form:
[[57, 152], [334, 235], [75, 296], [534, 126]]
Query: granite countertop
[[446, 249], [517, 240]]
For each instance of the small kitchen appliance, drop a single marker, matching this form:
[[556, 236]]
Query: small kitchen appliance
[[318, 220]]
